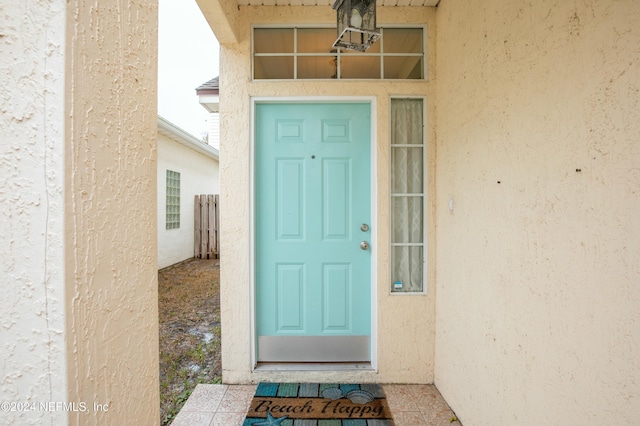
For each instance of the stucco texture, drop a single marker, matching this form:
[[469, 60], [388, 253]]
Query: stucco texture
[[538, 126], [405, 324], [78, 234], [110, 217], [32, 315]]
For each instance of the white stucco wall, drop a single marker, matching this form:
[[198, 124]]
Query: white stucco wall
[[538, 123], [405, 324], [32, 315], [198, 175]]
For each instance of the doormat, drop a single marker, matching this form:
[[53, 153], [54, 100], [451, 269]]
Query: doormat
[[313, 404]]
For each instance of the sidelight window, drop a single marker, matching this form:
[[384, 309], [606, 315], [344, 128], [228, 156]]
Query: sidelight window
[[407, 196]]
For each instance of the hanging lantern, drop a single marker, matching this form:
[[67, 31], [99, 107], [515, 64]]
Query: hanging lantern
[[356, 24]]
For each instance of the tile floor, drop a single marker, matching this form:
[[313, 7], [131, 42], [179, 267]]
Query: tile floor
[[226, 405]]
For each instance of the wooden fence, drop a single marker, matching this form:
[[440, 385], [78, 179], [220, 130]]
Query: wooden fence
[[207, 226]]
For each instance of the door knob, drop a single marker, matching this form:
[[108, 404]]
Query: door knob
[[364, 245]]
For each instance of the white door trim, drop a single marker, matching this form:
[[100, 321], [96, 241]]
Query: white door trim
[[374, 208]]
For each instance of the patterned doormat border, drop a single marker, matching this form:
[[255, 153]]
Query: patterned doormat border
[[314, 404]]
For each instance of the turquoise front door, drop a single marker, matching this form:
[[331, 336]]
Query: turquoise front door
[[312, 231]]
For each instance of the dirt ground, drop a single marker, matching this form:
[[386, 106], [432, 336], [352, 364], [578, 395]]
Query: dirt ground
[[189, 310]]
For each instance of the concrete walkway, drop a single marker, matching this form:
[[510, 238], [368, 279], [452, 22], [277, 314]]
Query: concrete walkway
[[226, 405]]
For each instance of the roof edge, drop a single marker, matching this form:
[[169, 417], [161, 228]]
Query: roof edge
[[166, 128]]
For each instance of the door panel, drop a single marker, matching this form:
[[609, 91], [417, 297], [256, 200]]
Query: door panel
[[312, 193], [336, 286], [290, 288], [336, 199], [290, 198]]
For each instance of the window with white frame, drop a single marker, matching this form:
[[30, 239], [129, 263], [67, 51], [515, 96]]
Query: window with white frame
[[299, 53], [408, 192], [173, 200]]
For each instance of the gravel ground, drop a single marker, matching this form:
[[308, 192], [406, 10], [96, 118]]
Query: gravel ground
[[189, 310]]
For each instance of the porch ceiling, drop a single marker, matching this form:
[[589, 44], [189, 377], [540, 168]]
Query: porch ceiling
[[385, 3], [222, 14]]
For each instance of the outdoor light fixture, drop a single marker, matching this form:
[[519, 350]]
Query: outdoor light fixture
[[356, 24]]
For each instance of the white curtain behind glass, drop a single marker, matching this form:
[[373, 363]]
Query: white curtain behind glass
[[407, 174]]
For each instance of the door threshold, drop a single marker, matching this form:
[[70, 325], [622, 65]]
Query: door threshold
[[314, 366]]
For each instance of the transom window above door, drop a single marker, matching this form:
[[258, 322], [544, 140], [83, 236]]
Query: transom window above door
[[307, 53]]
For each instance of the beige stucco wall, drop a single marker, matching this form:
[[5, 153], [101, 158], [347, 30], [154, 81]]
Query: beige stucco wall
[[405, 323], [538, 124], [32, 314], [198, 175], [111, 129]]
